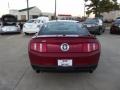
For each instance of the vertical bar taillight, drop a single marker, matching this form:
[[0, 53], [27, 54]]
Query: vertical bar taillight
[[39, 47], [89, 47]]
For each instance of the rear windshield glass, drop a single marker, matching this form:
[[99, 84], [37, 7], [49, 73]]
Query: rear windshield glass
[[91, 21], [63, 28]]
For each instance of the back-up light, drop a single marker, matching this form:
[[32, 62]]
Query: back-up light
[[89, 47], [39, 47]]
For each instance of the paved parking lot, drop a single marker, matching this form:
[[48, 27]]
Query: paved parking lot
[[16, 73]]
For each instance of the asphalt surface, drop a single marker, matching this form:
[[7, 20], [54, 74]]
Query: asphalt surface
[[17, 74]]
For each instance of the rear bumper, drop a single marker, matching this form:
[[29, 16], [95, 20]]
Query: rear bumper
[[25, 30], [2, 32], [50, 60], [93, 29], [115, 30], [76, 68]]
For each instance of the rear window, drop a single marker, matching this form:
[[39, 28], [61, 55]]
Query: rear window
[[91, 21], [63, 28]]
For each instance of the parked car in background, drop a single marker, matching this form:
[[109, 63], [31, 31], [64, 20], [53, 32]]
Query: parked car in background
[[34, 25], [43, 19], [115, 27], [31, 26], [95, 26], [9, 24], [64, 46]]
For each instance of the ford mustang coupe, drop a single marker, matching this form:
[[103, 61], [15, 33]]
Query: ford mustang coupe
[[64, 46]]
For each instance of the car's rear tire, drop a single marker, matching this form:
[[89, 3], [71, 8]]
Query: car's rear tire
[[91, 71], [111, 32], [26, 33], [19, 32], [1, 33], [93, 68], [103, 30], [37, 71], [99, 32]]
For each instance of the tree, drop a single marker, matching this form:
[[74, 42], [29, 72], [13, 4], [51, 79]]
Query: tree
[[100, 6]]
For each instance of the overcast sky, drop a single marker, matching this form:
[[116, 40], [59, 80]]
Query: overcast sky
[[73, 7]]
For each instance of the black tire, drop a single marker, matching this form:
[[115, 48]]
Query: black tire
[[91, 71], [111, 32], [1, 33], [99, 32], [37, 71], [26, 33], [93, 68], [19, 33], [103, 30]]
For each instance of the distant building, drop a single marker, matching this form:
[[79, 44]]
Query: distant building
[[112, 15], [47, 14], [34, 12], [64, 17]]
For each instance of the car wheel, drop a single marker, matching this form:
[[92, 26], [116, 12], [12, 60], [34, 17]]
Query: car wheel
[[91, 71], [103, 30], [111, 32], [26, 33], [19, 32], [37, 71], [99, 32]]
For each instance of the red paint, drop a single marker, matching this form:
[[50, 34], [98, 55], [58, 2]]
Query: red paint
[[51, 51]]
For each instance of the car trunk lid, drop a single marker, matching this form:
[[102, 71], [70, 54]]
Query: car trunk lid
[[66, 44]]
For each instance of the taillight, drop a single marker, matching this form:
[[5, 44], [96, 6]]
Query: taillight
[[89, 47], [39, 47]]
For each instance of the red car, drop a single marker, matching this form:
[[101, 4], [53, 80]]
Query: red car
[[64, 46]]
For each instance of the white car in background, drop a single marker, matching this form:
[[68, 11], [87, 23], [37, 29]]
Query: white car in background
[[43, 19], [9, 24], [32, 26]]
